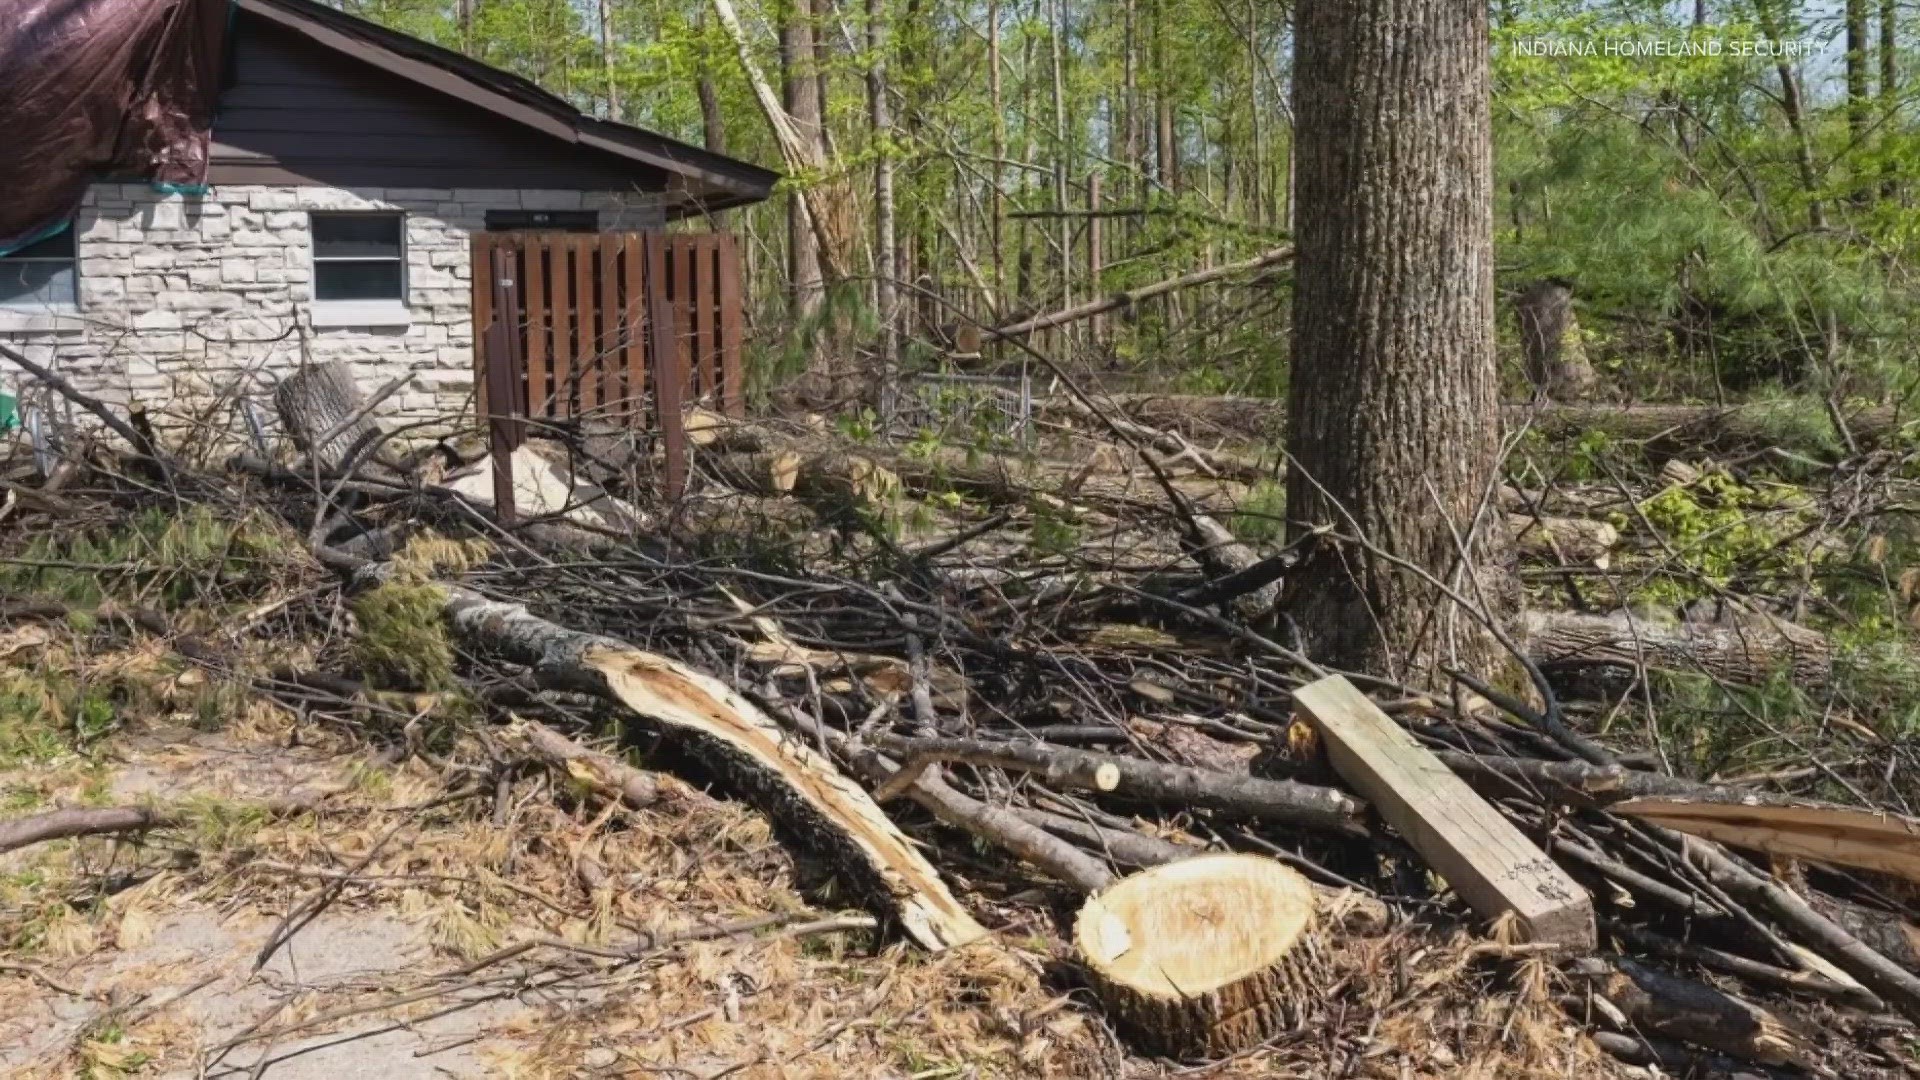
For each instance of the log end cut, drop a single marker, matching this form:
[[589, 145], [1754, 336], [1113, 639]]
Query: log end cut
[[1205, 956]]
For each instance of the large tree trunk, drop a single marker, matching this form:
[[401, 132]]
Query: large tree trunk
[[1393, 418]]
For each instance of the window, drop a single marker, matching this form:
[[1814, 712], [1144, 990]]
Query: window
[[358, 257], [40, 275]]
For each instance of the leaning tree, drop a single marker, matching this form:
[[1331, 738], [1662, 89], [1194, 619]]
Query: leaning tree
[[1393, 425]]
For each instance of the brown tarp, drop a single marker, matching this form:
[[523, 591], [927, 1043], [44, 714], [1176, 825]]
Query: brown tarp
[[89, 88]]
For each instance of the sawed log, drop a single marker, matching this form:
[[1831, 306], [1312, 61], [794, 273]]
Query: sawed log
[[1747, 654]]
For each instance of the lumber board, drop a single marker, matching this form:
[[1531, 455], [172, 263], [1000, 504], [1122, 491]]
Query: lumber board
[[1493, 866]]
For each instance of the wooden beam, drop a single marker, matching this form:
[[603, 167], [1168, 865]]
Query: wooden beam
[[1460, 835]]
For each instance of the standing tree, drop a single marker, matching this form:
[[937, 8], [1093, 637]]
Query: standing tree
[[1393, 410]]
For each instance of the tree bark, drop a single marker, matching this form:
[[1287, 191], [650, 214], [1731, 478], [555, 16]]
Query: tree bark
[[1746, 655], [1859, 102], [1661, 1004], [1889, 99], [1393, 421], [800, 95], [885, 260], [1550, 337], [322, 407]]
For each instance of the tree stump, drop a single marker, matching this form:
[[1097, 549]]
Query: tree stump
[[1556, 358], [1205, 956], [314, 402]]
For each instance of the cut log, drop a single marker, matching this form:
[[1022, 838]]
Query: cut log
[[1205, 956], [799, 790], [1565, 541], [322, 408], [1843, 835], [1471, 844], [772, 472], [1222, 554], [1746, 655], [1660, 1004], [1273, 800]]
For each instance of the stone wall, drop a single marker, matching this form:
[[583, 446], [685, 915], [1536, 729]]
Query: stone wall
[[189, 300]]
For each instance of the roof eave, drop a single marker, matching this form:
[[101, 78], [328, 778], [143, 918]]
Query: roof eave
[[735, 182]]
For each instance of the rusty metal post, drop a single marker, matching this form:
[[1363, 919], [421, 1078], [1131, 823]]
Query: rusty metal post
[[505, 396], [670, 375]]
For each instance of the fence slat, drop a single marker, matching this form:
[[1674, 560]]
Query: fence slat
[[634, 348], [680, 274], [566, 368], [732, 366], [533, 285], [606, 347]]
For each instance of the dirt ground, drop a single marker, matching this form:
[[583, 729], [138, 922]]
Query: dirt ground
[[385, 895]]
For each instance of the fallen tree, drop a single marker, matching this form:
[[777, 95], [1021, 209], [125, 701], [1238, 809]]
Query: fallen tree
[[1758, 425], [797, 788], [1748, 654]]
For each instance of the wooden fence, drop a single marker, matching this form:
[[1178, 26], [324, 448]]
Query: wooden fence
[[587, 342], [623, 326]]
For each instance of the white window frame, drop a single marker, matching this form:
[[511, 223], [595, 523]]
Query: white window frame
[[380, 312]]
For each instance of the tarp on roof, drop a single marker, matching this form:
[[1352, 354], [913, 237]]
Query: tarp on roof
[[125, 88]]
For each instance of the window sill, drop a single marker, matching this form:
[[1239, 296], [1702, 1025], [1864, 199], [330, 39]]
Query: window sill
[[41, 320], [359, 313]]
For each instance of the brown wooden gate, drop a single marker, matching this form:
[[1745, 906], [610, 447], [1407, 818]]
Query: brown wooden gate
[[624, 326]]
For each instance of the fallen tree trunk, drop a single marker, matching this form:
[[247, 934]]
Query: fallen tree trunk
[[799, 790], [1565, 541], [1272, 800], [1747, 655], [63, 824], [1756, 425], [1133, 296], [1842, 835]]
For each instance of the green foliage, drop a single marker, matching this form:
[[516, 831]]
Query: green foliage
[[1052, 529], [1262, 515], [162, 557], [1710, 728], [403, 641]]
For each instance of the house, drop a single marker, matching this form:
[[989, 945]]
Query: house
[[351, 170]]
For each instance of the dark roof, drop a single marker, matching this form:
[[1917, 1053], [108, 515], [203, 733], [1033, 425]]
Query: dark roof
[[707, 180]]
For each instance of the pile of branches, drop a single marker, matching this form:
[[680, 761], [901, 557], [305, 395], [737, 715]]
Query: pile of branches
[[1120, 706]]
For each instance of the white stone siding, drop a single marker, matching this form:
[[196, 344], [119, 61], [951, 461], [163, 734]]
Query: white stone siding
[[186, 298]]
